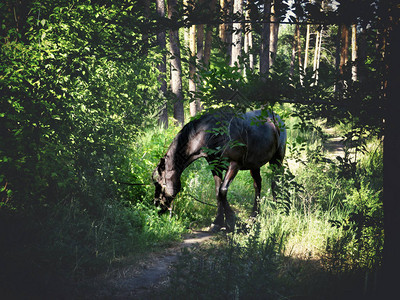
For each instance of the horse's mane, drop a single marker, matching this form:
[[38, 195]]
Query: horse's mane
[[206, 121]]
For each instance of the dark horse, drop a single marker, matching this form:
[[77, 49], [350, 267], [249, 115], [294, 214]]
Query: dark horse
[[245, 142]]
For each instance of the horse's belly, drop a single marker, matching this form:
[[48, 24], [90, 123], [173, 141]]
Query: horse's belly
[[255, 162], [252, 157]]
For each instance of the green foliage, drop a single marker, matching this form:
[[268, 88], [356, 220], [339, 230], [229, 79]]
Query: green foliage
[[71, 101]]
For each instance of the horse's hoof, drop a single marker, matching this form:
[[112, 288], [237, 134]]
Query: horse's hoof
[[230, 223], [214, 228]]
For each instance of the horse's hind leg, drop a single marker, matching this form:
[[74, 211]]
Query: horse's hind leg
[[255, 173], [278, 170]]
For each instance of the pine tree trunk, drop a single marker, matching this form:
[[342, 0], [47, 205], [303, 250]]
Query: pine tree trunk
[[318, 46], [248, 42], [251, 56], [274, 31], [344, 48], [292, 60], [225, 29], [209, 35], [228, 29], [185, 29], [298, 45], [192, 69], [362, 55], [237, 32], [145, 35], [162, 67], [222, 27], [354, 52], [200, 43], [337, 88], [344, 57], [199, 61], [176, 66], [252, 12], [316, 49], [265, 36], [307, 47], [207, 46]]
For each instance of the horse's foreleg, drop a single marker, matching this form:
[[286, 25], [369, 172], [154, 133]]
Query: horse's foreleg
[[255, 173], [223, 191], [219, 220]]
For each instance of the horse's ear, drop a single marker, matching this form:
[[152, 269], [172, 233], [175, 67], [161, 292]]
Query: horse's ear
[[159, 170]]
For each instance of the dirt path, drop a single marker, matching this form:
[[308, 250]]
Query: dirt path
[[334, 145], [142, 280]]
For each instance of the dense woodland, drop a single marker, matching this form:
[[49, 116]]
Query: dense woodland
[[93, 92]]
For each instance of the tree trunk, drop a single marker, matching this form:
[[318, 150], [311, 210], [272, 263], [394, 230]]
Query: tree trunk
[[237, 32], [248, 42], [354, 52], [222, 27], [343, 57], [185, 29], [145, 35], [317, 37], [298, 44], [200, 43], [265, 36], [207, 46], [176, 66], [162, 67], [199, 61], [209, 33], [337, 87], [307, 47], [225, 29], [361, 55], [274, 31], [192, 69], [319, 54], [344, 48], [292, 60], [228, 29], [252, 13]]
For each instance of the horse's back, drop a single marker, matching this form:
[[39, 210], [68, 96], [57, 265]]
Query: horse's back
[[256, 138]]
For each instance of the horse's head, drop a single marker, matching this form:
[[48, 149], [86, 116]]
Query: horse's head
[[167, 185]]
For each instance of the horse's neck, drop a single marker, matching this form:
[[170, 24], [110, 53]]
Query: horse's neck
[[182, 153]]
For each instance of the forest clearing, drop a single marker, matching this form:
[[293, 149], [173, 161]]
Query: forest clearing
[[92, 95]]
